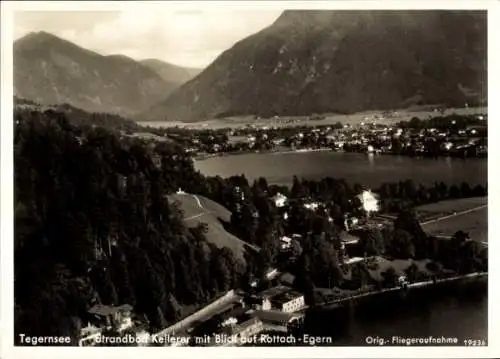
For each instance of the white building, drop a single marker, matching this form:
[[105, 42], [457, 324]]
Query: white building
[[112, 317], [281, 298], [241, 331], [447, 146], [229, 322], [89, 335], [288, 302], [350, 222], [272, 273], [106, 318], [280, 200], [285, 243], [313, 206], [369, 201], [353, 260]]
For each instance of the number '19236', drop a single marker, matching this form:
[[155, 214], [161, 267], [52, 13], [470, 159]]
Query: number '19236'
[[474, 342]]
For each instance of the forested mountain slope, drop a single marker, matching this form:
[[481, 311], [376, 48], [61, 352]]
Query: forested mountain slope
[[319, 61]]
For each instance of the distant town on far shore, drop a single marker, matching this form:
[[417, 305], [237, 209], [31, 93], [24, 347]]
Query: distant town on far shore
[[321, 181]]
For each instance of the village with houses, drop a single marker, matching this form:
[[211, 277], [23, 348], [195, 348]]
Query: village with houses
[[305, 178], [446, 135], [254, 316], [237, 317]]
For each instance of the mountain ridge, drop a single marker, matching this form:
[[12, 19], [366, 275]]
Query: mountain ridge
[[50, 70], [340, 61], [171, 72]]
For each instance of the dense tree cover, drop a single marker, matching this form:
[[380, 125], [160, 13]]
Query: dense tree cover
[[372, 242], [407, 240], [463, 255], [79, 117], [92, 222], [403, 195], [451, 122], [390, 278], [257, 220], [112, 122]]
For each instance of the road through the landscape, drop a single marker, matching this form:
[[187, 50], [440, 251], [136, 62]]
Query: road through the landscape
[[254, 247], [199, 205]]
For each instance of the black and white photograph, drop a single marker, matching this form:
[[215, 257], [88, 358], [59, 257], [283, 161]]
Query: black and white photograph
[[246, 175]]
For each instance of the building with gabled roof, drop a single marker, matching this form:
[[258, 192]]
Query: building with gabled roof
[[119, 318]]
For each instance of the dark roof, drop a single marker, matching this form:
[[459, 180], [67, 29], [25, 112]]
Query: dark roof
[[105, 310], [125, 308], [347, 237], [252, 299], [274, 291], [287, 278], [237, 312]]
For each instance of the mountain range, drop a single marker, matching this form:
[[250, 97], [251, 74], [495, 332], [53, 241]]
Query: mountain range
[[50, 70], [307, 61], [171, 73], [319, 61]]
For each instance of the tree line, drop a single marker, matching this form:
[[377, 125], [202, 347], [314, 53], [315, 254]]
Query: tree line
[[93, 224]]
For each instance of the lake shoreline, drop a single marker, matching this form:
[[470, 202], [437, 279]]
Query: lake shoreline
[[338, 303], [207, 156], [263, 152]]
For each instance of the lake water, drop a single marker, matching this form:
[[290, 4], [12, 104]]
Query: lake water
[[457, 311], [368, 170]]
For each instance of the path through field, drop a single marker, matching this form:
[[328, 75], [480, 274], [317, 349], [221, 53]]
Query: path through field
[[454, 214], [207, 211]]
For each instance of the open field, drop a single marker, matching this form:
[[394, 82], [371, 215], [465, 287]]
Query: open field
[[447, 217], [474, 222], [149, 136], [451, 206], [198, 209], [286, 121], [215, 208]]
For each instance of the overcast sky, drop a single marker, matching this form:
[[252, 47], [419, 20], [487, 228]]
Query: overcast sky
[[186, 38]]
